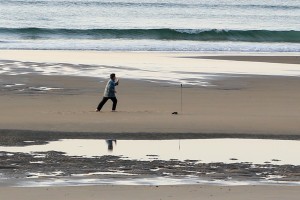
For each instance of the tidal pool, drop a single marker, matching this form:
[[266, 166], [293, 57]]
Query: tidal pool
[[256, 151]]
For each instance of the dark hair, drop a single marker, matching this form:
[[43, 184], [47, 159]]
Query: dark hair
[[112, 76]]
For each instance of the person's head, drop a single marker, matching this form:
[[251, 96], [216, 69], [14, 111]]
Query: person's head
[[113, 76]]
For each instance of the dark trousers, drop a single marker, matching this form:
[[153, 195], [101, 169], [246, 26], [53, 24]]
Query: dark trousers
[[104, 100]]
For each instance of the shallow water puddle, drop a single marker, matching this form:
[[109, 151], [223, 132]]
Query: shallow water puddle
[[142, 181], [256, 151]]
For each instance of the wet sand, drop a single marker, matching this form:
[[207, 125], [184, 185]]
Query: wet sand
[[244, 105], [153, 192], [100, 57], [39, 167], [261, 58]]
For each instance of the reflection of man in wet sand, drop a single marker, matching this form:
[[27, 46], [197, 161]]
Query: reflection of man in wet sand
[[110, 93], [110, 145]]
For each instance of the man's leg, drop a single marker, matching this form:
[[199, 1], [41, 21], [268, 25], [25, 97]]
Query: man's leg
[[101, 104], [115, 101]]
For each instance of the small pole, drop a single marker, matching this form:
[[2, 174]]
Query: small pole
[[181, 98], [180, 106]]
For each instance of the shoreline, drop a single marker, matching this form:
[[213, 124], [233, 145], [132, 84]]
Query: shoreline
[[255, 58], [28, 55], [174, 68]]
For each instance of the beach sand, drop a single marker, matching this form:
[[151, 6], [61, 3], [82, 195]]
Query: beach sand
[[153, 192], [261, 58], [239, 106], [243, 105]]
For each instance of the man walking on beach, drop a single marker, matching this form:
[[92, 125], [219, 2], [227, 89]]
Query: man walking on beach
[[110, 93]]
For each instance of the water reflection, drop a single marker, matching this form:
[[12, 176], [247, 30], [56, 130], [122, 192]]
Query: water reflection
[[110, 144], [256, 151]]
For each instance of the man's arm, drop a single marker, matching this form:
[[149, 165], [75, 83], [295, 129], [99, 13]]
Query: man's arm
[[117, 82]]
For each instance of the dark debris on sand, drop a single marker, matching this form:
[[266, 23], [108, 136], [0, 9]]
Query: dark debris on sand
[[23, 165]]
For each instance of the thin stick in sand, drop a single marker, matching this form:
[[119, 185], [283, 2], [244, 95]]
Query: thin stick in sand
[[181, 98]]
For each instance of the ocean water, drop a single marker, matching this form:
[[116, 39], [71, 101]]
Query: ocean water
[[151, 25]]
